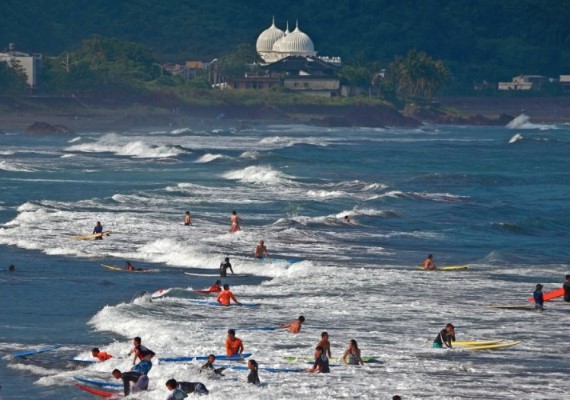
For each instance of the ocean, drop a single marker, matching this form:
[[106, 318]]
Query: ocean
[[492, 198]]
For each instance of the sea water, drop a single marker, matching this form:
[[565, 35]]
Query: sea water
[[467, 195]]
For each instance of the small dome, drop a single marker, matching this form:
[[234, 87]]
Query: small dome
[[297, 42], [268, 37]]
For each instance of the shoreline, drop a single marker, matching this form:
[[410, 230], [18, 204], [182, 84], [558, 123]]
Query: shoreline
[[451, 110]]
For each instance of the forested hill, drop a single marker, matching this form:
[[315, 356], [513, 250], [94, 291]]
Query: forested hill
[[477, 39]]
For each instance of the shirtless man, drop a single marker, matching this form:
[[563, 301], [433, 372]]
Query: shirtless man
[[294, 326], [325, 344], [225, 266], [234, 345], [428, 263], [234, 219], [187, 218], [261, 250], [226, 296]]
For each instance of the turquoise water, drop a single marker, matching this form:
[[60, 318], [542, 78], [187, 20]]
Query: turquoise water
[[480, 196]]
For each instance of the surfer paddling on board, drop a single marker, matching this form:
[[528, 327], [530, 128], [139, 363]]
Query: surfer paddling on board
[[136, 376], [294, 326], [224, 267], [428, 263], [216, 287], [100, 355], [260, 250], [209, 366], [98, 229], [226, 296], [187, 220], [234, 219], [234, 345], [445, 337], [181, 390], [538, 298], [141, 351]]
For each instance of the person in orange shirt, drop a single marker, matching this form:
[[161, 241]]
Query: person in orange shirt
[[294, 326], [216, 287], [225, 297], [101, 355], [234, 345]]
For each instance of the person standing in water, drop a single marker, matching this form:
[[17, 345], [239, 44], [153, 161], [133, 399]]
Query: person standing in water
[[260, 250], [224, 268], [445, 337], [566, 287], [321, 362], [428, 263], [253, 376], [538, 298], [234, 219], [187, 220], [294, 326], [353, 354], [98, 229], [325, 344], [226, 296]]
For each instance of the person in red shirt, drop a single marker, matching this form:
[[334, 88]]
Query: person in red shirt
[[101, 355], [234, 345], [216, 287], [225, 297]]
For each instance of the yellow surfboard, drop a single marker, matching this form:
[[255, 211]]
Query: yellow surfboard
[[495, 346], [92, 236]]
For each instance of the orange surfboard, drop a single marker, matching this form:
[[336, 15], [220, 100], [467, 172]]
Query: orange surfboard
[[553, 294]]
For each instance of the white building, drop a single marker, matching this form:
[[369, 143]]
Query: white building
[[274, 44], [31, 64], [523, 82]]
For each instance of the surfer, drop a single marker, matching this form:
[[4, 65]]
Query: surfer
[[224, 267], [566, 287], [321, 362], [234, 219], [216, 287], [180, 390], [538, 298], [260, 250], [445, 337], [234, 345], [187, 220], [209, 366], [11, 268], [346, 219], [325, 344], [353, 354], [141, 351], [428, 263], [253, 377], [226, 296], [98, 229], [140, 381], [294, 326], [129, 266], [100, 355]]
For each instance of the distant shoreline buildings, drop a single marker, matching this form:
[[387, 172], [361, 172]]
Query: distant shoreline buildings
[[31, 63]]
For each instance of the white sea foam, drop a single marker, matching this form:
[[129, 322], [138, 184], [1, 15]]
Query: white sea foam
[[523, 122], [516, 138], [74, 140], [14, 167], [122, 146], [259, 175], [206, 158]]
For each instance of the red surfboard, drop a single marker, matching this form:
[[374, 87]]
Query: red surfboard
[[553, 294], [98, 392]]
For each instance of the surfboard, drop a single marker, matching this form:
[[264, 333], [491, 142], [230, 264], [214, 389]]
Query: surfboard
[[97, 383], [98, 392], [116, 268], [267, 369], [92, 236], [312, 359], [216, 304], [513, 306], [446, 268], [553, 294], [31, 352], [475, 342], [219, 357], [495, 346], [274, 260], [217, 275], [160, 292], [204, 291], [75, 360]]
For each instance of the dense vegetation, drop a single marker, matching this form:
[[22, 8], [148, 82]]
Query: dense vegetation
[[477, 39]]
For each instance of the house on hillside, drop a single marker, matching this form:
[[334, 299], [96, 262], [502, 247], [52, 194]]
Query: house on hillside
[[565, 83], [31, 63], [524, 82]]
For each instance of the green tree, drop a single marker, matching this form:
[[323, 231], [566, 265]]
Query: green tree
[[242, 60], [356, 76], [417, 77], [12, 77]]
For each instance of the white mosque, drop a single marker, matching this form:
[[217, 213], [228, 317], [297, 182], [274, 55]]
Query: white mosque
[[274, 44]]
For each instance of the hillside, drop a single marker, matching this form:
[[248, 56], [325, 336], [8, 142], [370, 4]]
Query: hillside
[[486, 39]]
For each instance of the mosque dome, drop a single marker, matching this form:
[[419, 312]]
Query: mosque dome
[[268, 37], [295, 42]]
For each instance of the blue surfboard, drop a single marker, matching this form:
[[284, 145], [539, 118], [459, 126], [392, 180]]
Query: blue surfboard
[[97, 383], [260, 328], [272, 260], [75, 360], [219, 357], [31, 352]]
